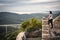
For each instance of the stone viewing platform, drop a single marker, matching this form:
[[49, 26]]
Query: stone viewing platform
[[51, 34], [47, 33]]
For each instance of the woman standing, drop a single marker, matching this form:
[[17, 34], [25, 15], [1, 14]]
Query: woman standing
[[50, 19]]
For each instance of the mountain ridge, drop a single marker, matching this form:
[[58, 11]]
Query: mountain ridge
[[14, 18]]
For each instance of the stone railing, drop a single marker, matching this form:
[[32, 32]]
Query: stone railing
[[46, 31]]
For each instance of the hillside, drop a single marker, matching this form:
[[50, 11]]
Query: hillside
[[14, 18]]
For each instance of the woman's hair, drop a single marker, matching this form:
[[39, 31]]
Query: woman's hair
[[50, 12]]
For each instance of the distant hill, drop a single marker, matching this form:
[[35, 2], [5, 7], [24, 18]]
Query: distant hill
[[9, 18], [14, 18]]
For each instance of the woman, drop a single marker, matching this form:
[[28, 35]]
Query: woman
[[50, 19]]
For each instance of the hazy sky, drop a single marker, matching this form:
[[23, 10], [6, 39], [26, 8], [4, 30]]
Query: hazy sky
[[29, 6]]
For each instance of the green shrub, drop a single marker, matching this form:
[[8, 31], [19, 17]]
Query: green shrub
[[31, 24]]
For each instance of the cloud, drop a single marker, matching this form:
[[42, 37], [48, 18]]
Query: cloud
[[29, 5], [33, 8], [28, 2]]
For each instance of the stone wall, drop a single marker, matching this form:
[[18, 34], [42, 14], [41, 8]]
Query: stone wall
[[46, 32], [57, 23], [45, 29]]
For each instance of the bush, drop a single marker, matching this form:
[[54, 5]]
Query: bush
[[31, 25]]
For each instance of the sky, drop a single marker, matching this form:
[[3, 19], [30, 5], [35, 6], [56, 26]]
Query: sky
[[29, 6]]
